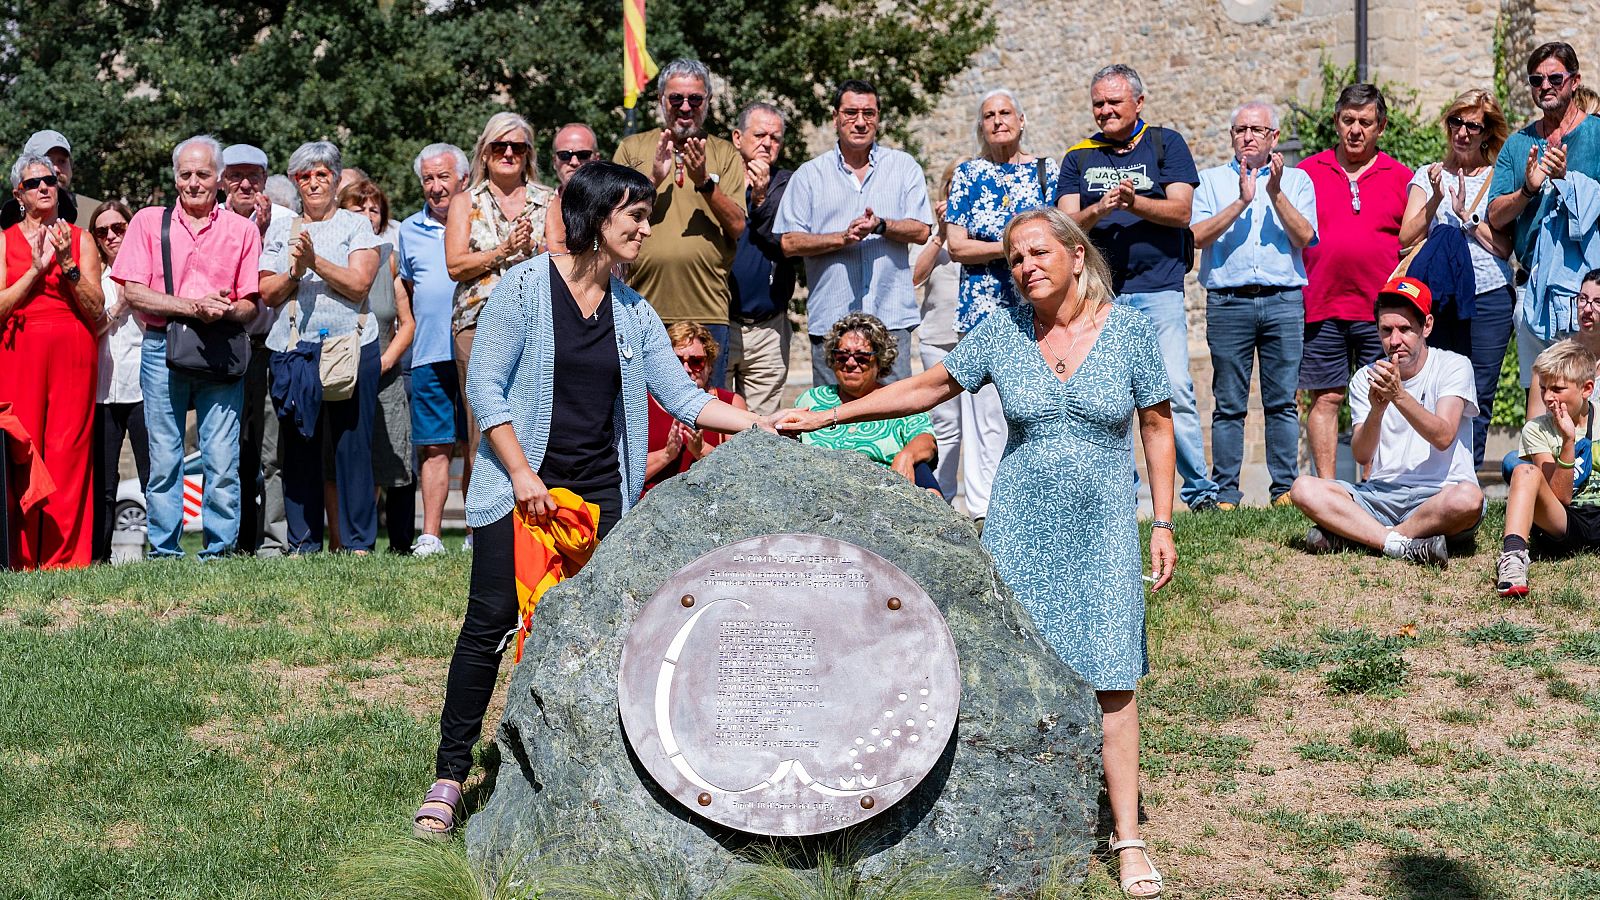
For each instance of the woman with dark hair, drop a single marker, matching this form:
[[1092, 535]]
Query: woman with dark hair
[[560, 342], [1455, 193], [119, 400]]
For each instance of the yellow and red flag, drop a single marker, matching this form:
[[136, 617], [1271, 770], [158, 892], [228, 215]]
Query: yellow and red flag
[[543, 555], [637, 66]]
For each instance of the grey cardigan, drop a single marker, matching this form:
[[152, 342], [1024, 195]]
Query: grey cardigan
[[511, 373]]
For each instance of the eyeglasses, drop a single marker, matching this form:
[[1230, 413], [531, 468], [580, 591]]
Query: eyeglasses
[[582, 156], [693, 362], [1259, 131], [865, 115], [313, 175], [517, 148], [1355, 197], [102, 231], [1556, 79], [842, 358], [1456, 123], [694, 100], [29, 184], [1580, 301]]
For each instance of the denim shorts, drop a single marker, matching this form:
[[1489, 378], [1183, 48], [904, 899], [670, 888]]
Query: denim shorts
[[1391, 503], [438, 411]]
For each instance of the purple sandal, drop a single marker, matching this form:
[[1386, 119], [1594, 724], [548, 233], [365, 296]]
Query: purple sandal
[[441, 792]]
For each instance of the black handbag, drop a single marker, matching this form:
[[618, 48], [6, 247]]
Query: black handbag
[[217, 351]]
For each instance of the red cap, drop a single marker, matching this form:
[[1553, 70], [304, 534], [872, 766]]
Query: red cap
[[1409, 290]]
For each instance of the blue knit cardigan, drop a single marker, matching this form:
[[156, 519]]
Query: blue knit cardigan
[[511, 375]]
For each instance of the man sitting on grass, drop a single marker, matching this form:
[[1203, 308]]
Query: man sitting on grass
[[1412, 412], [1553, 492]]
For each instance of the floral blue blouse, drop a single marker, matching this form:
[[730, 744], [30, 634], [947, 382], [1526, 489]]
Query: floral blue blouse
[[984, 196]]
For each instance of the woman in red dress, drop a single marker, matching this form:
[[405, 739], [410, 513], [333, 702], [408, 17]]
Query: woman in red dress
[[51, 308], [674, 446]]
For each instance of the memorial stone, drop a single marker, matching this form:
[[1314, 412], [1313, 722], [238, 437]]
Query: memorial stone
[[1008, 794]]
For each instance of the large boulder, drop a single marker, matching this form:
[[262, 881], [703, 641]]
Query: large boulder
[[1013, 796]]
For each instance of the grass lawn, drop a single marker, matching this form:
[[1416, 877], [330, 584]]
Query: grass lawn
[[1338, 726]]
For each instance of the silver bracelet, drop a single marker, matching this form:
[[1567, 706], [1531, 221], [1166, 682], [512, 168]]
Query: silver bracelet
[[1157, 523]]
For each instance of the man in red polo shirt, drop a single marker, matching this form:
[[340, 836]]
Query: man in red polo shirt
[[1361, 198]]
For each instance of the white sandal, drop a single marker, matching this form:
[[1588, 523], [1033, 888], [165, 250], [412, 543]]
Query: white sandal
[[1128, 881]]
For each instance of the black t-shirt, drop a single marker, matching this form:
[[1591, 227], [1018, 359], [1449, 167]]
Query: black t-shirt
[[582, 453]]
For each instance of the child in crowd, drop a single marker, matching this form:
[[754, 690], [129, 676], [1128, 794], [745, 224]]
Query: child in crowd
[[1554, 495]]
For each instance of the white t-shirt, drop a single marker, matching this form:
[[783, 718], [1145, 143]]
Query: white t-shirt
[[936, 298], [318, 305], [1404, 456], [1488, 271]]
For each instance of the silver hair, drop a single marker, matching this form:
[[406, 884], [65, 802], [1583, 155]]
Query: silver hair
[[1272, 112], [280, 190], [433, 151], [204, 140], [1123, 71], [27, 160], [997, 92], [680, 67], [312, 154], [743, 122]]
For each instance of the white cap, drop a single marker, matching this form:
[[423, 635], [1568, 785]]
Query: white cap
[[43, 142], [243, 155]]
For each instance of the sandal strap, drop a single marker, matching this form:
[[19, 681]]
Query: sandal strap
[[1132, 844], [443, 792]]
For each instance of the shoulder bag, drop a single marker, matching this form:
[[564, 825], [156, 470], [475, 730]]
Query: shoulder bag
[[341, 356], [217, 351], [1405, 262]]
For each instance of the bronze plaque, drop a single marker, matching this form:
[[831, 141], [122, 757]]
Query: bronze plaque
[[789, 685]]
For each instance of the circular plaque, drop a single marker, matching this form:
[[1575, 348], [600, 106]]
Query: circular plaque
[[789, 685]]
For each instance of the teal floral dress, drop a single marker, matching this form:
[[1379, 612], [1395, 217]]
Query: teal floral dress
[[880, 440], [1061, 525]]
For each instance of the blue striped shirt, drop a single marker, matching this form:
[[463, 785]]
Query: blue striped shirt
[[511, 375], [874, 274]]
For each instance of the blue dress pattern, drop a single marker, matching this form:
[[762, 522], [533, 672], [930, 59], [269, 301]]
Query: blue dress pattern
[[984, 196], [1062, 524]]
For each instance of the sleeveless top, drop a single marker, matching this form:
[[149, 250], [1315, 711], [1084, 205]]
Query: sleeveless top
[[487, 227], [48, 299]]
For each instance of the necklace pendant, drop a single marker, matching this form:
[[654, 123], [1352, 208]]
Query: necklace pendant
[[1061, 367]]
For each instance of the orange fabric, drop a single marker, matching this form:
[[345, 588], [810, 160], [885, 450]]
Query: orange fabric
[[545, 554], [35, 483]]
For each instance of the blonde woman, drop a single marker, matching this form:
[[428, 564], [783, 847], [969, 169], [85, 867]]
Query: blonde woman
[[1073, 371], [497, 222], [1452, 192]]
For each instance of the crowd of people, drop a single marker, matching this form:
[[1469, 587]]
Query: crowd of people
[[623, 319]]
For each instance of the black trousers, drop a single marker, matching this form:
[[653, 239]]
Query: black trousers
[[113, 422], [491, 613]]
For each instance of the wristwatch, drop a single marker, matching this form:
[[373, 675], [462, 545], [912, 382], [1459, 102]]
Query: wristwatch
[[72, 273], [881, 227], [710, 184]]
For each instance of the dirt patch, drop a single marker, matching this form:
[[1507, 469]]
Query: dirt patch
[[416, 684], [124, 835]]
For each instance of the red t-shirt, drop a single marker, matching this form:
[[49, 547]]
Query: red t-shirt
[[661, 425], [1355, 252]]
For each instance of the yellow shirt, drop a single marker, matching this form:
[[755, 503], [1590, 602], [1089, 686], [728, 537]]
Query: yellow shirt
[[683, 266]]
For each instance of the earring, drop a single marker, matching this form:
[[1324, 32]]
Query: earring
[[596, 247]]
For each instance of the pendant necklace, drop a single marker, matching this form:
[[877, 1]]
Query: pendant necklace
[[1061, 359]]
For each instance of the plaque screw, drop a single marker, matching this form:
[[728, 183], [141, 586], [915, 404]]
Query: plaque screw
[[894, 602], [705, 799], [866, 802], [688, 601]]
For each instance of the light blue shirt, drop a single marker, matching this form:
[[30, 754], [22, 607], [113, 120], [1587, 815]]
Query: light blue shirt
[[874, 274], [433, 294], [1566, 245], [1254, 249]]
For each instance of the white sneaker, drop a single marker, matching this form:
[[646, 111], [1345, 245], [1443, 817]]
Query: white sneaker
[[466, 545], [427, 545]]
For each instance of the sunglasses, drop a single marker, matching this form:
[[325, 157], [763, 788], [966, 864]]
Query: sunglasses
[[582, 156], [844, 358], [1556, 79], [693, 362], [1355, 197], [29, 184], [101, 232], [1456, 123], [517, 148], [694, 100]]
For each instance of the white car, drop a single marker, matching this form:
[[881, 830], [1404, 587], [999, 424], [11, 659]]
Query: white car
[[129, 513]]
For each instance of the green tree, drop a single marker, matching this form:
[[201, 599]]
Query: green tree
[[126, 79]]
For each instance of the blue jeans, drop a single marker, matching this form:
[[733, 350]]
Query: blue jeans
[[167, 398], [1237, 329], [1164, 309], [1482, 339]]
